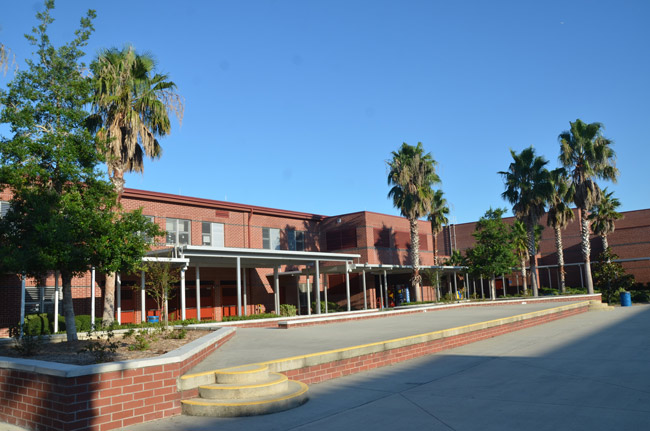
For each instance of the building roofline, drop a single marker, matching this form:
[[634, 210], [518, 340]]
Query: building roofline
[[210, 203]]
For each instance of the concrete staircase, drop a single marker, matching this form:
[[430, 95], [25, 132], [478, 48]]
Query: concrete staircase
[[246, 391], [599, 306]]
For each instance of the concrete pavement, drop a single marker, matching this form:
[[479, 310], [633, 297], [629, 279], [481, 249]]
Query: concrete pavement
[[585, 372]]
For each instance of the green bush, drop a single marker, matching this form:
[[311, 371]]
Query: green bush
[[287, 310], [37, 324], [332, 307], [250, 317], [640, 296]]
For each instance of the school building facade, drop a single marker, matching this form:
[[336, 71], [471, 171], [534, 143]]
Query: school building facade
[[246, 259]]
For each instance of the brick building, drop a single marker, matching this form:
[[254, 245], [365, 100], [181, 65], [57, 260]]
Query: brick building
[[358, 260]]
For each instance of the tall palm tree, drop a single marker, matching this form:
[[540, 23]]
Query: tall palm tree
[[587, 155], [559, 215], [604, 215], [412, 174], [438, 217], [520, 248], [527, 189], [131, 106]]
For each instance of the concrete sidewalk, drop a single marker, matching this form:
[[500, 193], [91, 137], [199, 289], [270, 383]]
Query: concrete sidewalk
[[585, 372], [252, 345]]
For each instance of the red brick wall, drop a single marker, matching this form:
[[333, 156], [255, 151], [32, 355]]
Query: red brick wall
[[102, 401]]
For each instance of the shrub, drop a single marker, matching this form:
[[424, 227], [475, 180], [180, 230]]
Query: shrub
[[250, 317], [287, 310], [101, 348], [37, 324], [178, 334], [141, 341], [28, 344], [640, 296], [332, 307]]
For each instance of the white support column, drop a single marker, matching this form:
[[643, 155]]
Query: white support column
[[118, 288], [381, 292], [198, 293], [347, 285], [56, 301], [238, 286], [143, 311], [183, 306], [317, 285], [245, 290], [308, 295], [22, 303], [365, 298], [298, 296], [92, 298], [385, 289], [276, 290], [41, 299], [325, 286]]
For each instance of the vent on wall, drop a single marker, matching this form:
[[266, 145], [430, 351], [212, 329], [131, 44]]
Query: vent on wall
[[220, 213]]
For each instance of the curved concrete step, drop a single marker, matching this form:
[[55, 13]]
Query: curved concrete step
[[295, 396], [245, 374], [275, 383]]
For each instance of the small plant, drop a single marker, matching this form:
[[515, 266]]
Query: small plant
[[129, 333], [28, 344], [287, 310], [177, 334], [141, 341], [101, 348]]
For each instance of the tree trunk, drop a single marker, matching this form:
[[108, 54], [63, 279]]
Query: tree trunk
[[523, 276], [435, 249], [493, 289], [586, 249], [109, 299], [68, 308], [560, 257], [532, 252], [416, 280], [605, 243]]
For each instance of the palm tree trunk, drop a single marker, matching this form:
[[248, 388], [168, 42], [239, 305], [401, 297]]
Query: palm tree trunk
[[605, 243], [533, 258], [68, 308], [415, 259], [586, 249], [117, 179], [435, 249], [560, 257], [523, 276]]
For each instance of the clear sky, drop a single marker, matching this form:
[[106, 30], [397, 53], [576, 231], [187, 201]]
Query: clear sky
[[298, 104]]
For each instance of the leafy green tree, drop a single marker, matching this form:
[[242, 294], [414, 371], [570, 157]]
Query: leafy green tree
[[5, 55], [412, 174], [492, 252], [438, 217], [610, 277], [58, 218], [49, 163], [131, 105], [528, 188], [160, 278], [604, 215], [587, 155], [559, 215]]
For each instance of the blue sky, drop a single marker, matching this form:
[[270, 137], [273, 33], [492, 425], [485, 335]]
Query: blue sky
[[298, 104]]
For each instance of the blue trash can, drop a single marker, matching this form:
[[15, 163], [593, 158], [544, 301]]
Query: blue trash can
[[153, 319], [626, 299]]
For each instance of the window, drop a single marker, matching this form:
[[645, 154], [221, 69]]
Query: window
[[212, 234], [270, 238], [296, 240], [4, 207], [178, 231], [147, 238], [341, 239]]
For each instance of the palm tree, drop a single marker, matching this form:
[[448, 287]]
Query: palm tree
[[412, 174], [559, 215], [131, 107], [438, 218], [587, 155], [604, 215], [520, 248], [527, 189]]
